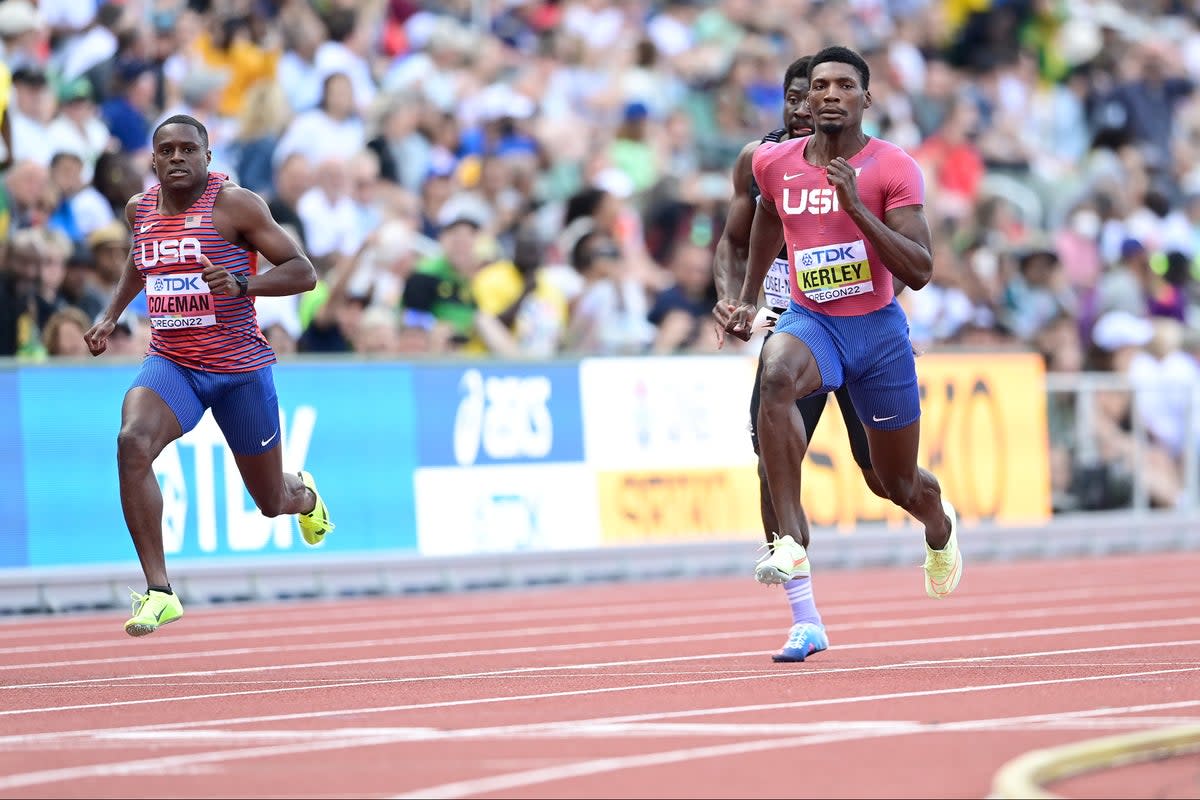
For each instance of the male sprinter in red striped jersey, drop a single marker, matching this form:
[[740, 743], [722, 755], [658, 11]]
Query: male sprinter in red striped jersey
[[195, 242]]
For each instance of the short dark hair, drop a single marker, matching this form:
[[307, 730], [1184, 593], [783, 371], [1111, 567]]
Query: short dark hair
[[183, 119], [797, 69], [843, 55]]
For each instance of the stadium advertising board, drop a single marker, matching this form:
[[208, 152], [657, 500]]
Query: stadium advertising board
[[501, 459], [668, 439], [351, 425], [12, 474]]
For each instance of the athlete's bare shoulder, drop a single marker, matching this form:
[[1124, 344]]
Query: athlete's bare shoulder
[[743, 167], [131, 206]]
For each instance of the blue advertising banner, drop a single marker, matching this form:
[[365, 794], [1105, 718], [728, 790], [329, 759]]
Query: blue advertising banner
[[12, 475], [498, 415], [352, 425]]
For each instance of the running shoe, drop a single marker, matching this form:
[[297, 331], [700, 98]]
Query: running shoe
[[786, 560], [804, 639], [943, 568], [151, 611], [315, 524]]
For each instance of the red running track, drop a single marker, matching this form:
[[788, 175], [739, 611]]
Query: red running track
[[638, 690]]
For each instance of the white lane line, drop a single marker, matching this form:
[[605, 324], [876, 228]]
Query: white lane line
[[605, 690], [525, 778], [1097, 610], [167, 764], [752, 606]]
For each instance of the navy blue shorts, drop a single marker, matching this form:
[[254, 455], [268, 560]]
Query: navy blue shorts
[[244, 404], [870, 354]]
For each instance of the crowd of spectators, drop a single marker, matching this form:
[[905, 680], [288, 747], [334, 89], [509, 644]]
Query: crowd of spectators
[[543, 177]]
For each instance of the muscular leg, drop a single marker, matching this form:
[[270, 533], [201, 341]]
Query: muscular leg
[[857, 434], [247, 411], [811, 409], [274, 491], [894, 456], [789, 371], [147, 426]]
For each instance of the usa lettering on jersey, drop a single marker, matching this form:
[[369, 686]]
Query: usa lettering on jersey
[[169, 251], [811, 201]]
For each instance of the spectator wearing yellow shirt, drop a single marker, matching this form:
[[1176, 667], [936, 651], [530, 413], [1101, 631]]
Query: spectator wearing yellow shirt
[[520, 296], [228, 46]]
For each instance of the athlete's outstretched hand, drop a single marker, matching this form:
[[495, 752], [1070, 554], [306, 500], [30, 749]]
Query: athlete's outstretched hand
[[722, 312], [97, 336], [844, 181], [741, 320], [219, 279]]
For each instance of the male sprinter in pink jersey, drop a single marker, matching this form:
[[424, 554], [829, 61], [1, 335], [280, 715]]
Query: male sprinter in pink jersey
[[195, 240], [851, 211], [729, 271]]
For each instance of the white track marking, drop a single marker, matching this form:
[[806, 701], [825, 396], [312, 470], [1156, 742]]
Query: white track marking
[[167, 764], [1097, 610], [525, 778], [753, 608], [612, 689]]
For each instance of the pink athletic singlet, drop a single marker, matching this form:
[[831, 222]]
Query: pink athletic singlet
[[834, 269]]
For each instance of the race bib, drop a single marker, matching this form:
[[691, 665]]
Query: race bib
[[833, 271], [778, 285], [179, 301]]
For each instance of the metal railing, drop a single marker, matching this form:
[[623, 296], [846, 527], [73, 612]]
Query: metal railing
[[1085, 448]]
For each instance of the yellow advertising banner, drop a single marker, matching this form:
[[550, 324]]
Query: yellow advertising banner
[[689, 504], [983, 434]]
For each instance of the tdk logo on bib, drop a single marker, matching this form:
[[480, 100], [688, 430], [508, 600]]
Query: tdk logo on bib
[[170, 284], [812, 201], [169, 251], [829, 255]]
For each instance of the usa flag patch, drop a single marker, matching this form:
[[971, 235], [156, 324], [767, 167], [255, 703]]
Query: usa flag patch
[[193, 220]]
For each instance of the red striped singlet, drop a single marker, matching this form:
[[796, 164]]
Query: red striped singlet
[[190, 325]]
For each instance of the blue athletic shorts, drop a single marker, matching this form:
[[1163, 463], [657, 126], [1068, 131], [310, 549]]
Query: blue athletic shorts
[[871, 354], [244, 404]]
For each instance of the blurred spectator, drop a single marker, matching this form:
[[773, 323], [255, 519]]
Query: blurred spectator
[[30, 114], [402, 150], [228, 48], [523, 298], [1119, 339], [78, 129], [63, 333], [332, 131], [81, 209], [293, 179], [611, 315], [20, 302], [681, 312], [1037, 294], [109, 247], [262, 121], [128, 113], [79, 287], [328, 214]]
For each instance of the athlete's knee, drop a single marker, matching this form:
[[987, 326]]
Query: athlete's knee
[[780, 382], [136, 448]]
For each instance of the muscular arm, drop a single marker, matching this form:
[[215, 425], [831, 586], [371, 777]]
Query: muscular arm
[[733, 250], [902, 239], [293, 273], [130, 282], [766, 239]]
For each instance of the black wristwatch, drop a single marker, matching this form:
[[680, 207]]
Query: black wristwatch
[[243, 284]]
